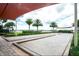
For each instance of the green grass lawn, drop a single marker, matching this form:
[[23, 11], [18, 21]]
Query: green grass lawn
[[74, 51]]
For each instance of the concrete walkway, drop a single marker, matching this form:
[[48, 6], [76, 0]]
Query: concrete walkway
[[6, 49], [51, 46]]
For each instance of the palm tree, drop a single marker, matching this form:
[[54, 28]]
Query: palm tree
[[9, 25], [37, 23], [53, 24], [29, 22]]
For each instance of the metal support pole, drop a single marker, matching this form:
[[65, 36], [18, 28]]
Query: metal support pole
[[16, 28], [75, 30], [16, 25]]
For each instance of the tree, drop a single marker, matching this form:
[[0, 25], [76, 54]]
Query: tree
[[53, 24], [9, 25], [29, 22], [2, 21], [37, 23]]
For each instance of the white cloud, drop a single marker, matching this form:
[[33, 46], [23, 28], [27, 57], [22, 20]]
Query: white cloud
[[60, 13]]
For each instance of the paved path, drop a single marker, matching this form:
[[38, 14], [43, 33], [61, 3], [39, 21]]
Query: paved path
[[50, 46], [7, 49], [53, 45]]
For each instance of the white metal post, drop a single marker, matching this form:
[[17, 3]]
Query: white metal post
[[75, 30]]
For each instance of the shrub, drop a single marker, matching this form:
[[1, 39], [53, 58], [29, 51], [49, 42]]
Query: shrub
[[31, 32], [74, 51], [65, 31]]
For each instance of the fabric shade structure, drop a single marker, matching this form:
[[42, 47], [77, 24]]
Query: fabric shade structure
[[14, 10]]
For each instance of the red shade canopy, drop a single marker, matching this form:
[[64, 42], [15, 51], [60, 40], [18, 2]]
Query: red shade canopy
[[13, 10]]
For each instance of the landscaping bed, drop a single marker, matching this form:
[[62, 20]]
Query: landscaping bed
[[31, 32], [74, 51], [65, 31], [11, 34]]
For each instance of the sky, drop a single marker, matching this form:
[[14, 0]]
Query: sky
[[62, 14]]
